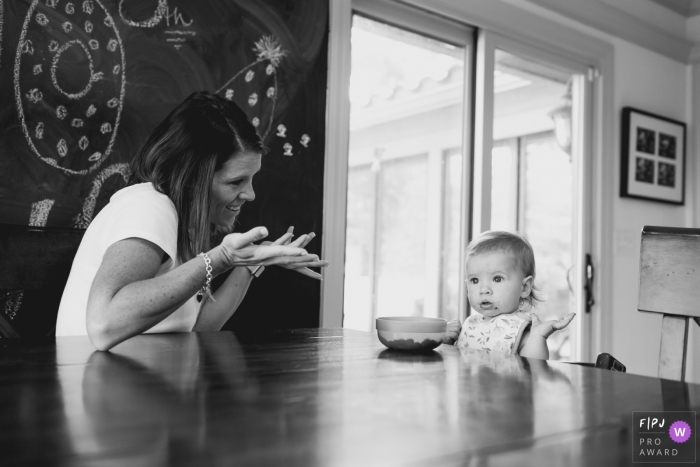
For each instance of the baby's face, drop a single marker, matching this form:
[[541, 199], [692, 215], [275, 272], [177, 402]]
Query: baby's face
[[494, 285]]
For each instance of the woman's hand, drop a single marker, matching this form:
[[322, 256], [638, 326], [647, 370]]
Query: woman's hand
[[300, 242], [453, 329], [238, 249]]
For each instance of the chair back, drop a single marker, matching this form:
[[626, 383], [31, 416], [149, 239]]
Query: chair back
[[669, 284], [34, 266]]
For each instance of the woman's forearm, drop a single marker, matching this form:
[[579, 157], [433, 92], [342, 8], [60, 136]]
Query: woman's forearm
[[229, 296], [126, 300]]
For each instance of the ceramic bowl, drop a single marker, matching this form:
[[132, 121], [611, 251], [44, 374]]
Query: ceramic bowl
[[411, 333]]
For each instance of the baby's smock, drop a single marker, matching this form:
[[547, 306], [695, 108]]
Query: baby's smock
[[501, 333]]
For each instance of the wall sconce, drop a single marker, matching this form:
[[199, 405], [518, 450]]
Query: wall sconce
[[561, 116]]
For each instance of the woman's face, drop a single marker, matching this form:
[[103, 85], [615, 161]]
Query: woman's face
[[232, 186]]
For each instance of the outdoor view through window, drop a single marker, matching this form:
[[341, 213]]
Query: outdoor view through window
[[404, 182]]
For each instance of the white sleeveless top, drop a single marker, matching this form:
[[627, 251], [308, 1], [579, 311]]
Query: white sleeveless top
[[135, 211]]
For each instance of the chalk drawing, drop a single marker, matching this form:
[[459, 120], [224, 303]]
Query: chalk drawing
[[287, 149], [229, 94], [42, 19], [40, 212], [12, 303], [83, 143], [158, 15], [30, 88], [34, 95], [268, 50], [62, 147], [305, 139], [27, 47], [281, 131], [84, 218], [256, 122], [54, 64]]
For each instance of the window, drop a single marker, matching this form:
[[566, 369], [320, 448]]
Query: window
[[405, 175]]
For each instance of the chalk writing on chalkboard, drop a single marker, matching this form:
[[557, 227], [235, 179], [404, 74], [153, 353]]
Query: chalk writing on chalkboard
[[61, 127]]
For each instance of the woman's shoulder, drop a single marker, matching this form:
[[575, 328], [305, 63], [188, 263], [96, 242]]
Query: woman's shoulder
[[141, 192]]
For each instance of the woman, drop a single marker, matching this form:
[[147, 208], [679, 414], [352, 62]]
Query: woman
[[146, 262]]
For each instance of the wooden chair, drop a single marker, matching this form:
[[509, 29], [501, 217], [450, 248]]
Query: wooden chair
[[34, 267], [669, 283]]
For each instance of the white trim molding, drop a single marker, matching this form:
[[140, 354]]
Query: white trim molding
[[336, 173]]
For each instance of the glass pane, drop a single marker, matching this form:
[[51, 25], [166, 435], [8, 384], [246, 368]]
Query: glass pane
[[547, 224], [532, 176], [406, 93]]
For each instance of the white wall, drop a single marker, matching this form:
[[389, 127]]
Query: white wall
[[650, 82]]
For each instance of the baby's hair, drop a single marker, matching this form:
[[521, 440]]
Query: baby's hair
[[511, 243]]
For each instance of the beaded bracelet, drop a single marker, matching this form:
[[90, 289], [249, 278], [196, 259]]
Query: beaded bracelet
[[206, 288]]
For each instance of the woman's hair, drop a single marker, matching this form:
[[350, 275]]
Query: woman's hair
[[182, 153], [513, 244]]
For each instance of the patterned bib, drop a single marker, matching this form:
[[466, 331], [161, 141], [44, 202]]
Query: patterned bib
[[502, 333]]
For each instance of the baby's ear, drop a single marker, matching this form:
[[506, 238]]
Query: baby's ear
[[527, 286]]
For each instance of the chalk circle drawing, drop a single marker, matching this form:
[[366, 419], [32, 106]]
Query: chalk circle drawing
[[85, 78], [40, 212], [269, 55], [85, 217], [160, 13]]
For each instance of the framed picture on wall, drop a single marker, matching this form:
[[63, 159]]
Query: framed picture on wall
[[653, 157]]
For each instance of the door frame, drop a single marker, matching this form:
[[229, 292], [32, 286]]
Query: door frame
[[524, 27]]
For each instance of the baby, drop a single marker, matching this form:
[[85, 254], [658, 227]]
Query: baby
[[500, 286]]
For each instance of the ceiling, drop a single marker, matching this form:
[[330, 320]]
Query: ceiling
[[686, 8]]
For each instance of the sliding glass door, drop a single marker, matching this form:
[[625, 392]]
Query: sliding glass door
[[405, 224]]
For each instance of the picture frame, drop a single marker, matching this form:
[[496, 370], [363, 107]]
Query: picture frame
[[653, 157]]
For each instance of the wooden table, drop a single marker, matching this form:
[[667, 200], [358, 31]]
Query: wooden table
[[312, 397]]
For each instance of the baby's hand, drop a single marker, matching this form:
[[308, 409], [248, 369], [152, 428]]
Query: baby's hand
[[547, 328], [453, 329]]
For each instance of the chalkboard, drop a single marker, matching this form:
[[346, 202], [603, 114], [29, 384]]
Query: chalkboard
[[83, 82]]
